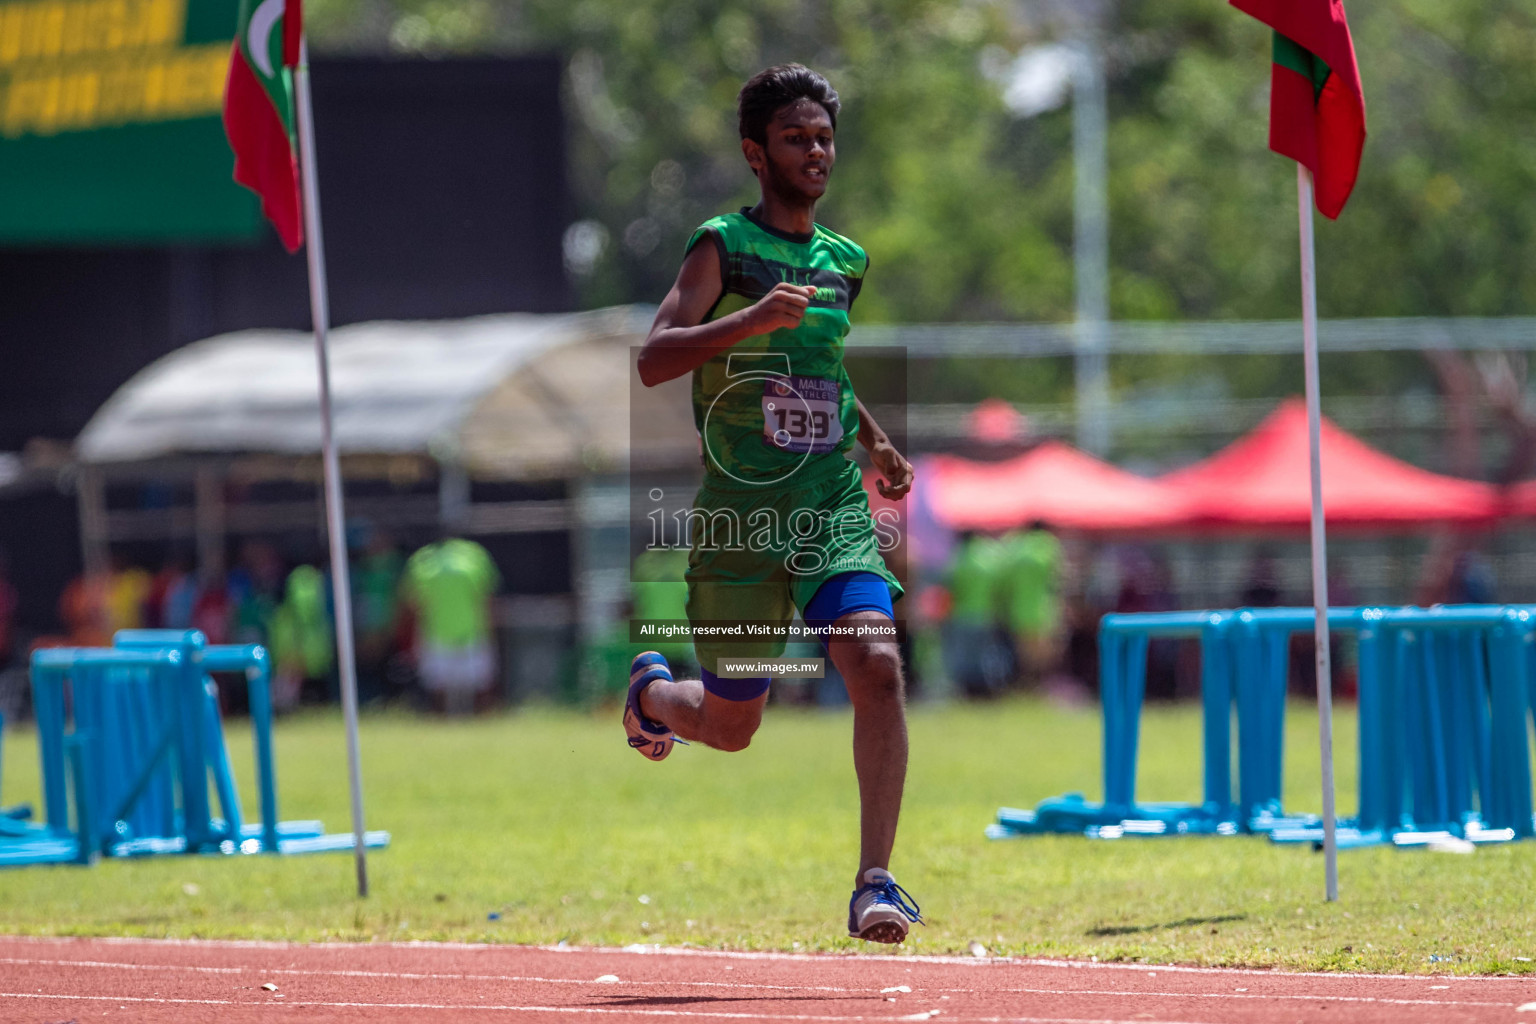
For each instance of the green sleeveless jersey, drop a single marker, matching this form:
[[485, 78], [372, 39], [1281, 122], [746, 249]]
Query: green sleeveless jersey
[[778, 408]]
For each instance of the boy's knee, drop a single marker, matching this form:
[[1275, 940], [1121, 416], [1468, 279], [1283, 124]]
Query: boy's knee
[[732, 736], [728, 725], [874, 669]]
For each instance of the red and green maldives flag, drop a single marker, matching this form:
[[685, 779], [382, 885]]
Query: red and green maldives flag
[[258, 111], [1316, 107]]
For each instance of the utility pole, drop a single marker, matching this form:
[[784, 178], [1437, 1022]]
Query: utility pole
[[1090, 243]]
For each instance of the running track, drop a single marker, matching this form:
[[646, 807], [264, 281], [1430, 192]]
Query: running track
[[46, 981]]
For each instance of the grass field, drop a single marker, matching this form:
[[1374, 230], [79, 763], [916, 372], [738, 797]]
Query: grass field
[[546, 819]]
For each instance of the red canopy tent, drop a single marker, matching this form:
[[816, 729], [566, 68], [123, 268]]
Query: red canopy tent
[[1522, 500], [1054, 483], [1261, 480]]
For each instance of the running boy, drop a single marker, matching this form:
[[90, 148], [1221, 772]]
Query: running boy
[[758, 316]]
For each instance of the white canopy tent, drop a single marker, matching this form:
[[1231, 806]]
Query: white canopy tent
[[515, 397], [398, 388]]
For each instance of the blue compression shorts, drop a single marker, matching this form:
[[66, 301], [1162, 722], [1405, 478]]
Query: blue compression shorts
[[841, 595]]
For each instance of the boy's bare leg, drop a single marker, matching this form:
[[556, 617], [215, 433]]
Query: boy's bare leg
[[871, 669], [691, 711]]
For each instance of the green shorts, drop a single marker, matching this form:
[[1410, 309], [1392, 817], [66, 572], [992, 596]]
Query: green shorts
[[759, 553]]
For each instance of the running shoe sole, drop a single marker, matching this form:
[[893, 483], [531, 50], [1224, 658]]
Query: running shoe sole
[[653, 739]]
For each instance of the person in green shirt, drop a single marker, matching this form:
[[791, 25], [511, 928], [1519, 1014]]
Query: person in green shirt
[[300, 635], [658, 593], [449, 585], [376, 571], [1029, 587], [977, 661], [758, 316]]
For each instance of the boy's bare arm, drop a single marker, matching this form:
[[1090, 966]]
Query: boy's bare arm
[[895, 471], [679, 342]]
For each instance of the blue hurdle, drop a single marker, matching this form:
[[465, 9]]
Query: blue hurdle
[[1446, 695], [1123, 644], [12, 819], [1444, 708], [130, 740]]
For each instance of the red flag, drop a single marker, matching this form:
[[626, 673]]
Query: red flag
[[1316, 106], [258, 113], [293, 32]]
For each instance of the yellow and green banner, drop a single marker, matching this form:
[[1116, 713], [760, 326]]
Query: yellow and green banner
[[109, 123]]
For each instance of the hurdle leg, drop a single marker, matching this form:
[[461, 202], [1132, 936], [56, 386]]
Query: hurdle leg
[[190, 701], [89, 850], [1527, 661], [48, 709], [162, 786], [1135, 691], [1272, 721], [1112, 701], [1435, 741], [1453, 676], [1509, 751], [1373, 771], [1475, 719], [1253, 731], [1123, 667], [259, 682], [218, 755], [1424, 752], [1216, 703]]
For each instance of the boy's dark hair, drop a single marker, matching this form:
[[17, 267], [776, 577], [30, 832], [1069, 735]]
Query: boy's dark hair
[[772, 89]]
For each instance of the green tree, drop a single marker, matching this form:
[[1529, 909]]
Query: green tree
[[929, 176], [966, 207]]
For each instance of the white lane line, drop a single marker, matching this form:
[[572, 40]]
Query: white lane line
[[594, 1010], [751, 986], [998, 961], [421, 976], [505, 949]]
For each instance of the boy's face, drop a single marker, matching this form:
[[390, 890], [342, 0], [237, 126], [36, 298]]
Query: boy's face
[[797, 161]]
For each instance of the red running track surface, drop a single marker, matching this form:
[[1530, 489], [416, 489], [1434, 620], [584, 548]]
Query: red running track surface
[[44, 981]]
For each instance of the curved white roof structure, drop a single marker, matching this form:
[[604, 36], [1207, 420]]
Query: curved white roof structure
[[514, 395]]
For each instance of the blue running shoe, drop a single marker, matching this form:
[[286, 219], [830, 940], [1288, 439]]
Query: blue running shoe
[[880, 910], [651, 738]]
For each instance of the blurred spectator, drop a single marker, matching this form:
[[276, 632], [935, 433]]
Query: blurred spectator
[[173, 595], [1080, 654], [301, 645], [255, 588], [1145, 581], [1472, 579], [127, 592], [1344, 660], [1029, 586], [658, 593], [976, 656], [1146, 585], [213, 610], [449, 585], [376, 571], [1261, 587], [83, 607]]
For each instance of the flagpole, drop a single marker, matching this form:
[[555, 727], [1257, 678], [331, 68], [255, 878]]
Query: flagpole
[[1319, 528], [335, 517]]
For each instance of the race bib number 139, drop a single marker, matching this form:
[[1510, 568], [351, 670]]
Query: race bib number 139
[[802, 414]]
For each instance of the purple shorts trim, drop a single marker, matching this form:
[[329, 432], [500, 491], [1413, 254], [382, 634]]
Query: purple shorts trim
[[845, 594], [841, 595], [734, 689]]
